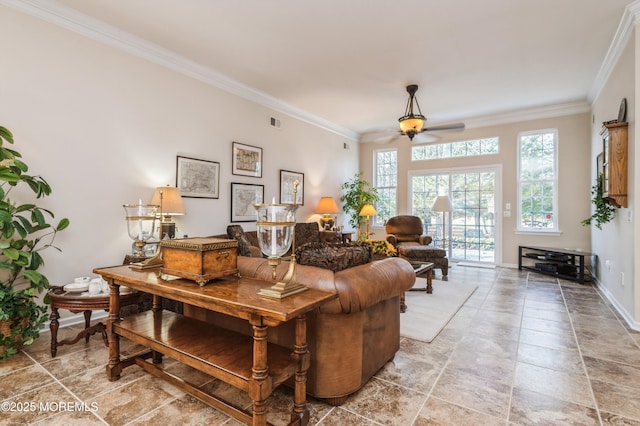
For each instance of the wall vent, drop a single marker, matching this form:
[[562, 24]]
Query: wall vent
[[274, 122]]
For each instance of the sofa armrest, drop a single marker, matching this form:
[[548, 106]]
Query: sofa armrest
[[425, 240], [392, 240], [366, 285], [358, 287]]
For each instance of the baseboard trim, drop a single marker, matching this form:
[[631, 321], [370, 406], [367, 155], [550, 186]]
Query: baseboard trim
[[628, 318]]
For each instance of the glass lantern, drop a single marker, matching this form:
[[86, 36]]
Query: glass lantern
[[140, 223], [275, 228]]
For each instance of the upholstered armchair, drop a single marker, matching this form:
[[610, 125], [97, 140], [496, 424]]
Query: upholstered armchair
[[405, 233]]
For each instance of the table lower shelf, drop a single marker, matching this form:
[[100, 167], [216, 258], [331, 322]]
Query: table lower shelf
[[223, 354]]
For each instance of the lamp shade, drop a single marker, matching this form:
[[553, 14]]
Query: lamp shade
[[368, 210], [171, 201], [327, 205], [442, 204]]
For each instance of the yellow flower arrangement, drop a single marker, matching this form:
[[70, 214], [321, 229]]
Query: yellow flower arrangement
[[382, 247]]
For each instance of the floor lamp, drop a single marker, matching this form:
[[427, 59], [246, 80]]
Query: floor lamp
[[442, 204]]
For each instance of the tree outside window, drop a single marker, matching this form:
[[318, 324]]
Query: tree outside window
[[386, 182], [537, 181]]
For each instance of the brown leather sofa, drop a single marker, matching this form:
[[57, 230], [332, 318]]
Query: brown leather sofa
[[350, 338], [404, 232]]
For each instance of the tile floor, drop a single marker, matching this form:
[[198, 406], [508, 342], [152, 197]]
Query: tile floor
[[524, 350]]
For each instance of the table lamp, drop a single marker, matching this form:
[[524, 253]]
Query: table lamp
[[442, 204], [326, 207], [170, 202], [367, 211]]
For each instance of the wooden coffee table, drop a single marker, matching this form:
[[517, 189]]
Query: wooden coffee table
[[423, 268], [419, 268]]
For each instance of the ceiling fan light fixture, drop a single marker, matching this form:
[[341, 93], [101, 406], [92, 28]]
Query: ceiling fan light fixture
[[411, 123]]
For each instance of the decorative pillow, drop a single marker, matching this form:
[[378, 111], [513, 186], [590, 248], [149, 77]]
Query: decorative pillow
[[335, 257], [237, 233]]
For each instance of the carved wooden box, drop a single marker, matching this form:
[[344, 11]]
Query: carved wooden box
[[199, 259]]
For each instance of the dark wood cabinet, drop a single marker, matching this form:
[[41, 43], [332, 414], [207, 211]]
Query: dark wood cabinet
[[615, 163]]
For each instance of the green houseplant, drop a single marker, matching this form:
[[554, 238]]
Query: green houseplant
[[604, 212], [357, 193], [24, 233]]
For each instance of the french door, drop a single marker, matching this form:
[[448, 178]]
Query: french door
[[468, 232]]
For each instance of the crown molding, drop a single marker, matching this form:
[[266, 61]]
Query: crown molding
[[548, 111], [94, 29], [629, 20]]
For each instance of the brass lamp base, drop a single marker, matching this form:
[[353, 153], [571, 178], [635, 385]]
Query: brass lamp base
[[288, 286], [151, 263], [326, 220]]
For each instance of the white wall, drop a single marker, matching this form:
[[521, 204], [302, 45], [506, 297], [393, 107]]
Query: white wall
[[104, 129], [615, 242]]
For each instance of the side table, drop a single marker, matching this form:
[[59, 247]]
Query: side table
[[335, 237], [85, 303]]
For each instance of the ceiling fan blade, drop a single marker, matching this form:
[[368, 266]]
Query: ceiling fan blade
[[453, 127], [378, 136], [425, 138]]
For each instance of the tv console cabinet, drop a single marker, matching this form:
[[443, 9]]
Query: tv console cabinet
[[561, 263], [249, 363]]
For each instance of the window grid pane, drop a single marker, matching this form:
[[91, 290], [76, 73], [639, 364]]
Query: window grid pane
[[385, 181], [537, 181], [468, 148]]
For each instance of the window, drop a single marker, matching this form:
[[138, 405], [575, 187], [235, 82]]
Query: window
[[386, 182], [455, 149], [538, 181]]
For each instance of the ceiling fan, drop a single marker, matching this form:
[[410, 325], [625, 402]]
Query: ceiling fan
[[411, 124]]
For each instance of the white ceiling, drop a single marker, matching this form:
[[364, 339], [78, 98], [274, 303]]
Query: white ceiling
[[347, 62]]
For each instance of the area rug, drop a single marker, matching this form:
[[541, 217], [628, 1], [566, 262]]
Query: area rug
[[428, 314]]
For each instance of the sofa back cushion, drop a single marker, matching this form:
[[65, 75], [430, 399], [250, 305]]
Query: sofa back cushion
[[334, 257], [307, 233], [236, 232]]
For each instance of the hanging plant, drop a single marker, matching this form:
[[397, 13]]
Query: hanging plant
[[604, 212]]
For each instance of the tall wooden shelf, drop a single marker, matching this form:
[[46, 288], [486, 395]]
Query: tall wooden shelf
[[615, 163]]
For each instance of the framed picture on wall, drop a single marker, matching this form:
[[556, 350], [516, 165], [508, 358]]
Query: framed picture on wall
[[197, 178], [247, 160], [287, 178], [243, 197]]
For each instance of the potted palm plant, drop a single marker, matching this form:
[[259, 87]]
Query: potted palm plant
[[24, 232]]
